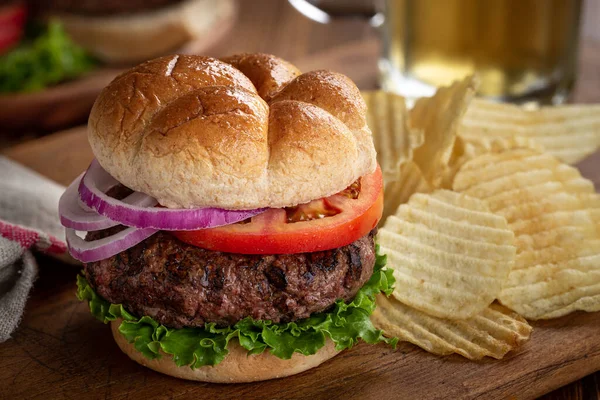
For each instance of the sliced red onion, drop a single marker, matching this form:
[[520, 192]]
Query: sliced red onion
[[72, 215], [107, 247], [143, 214], [77, 215]]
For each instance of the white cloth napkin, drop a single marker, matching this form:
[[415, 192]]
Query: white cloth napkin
[[29, 222]]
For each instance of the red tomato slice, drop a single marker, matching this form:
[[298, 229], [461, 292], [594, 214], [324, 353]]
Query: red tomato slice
[[333, 222], [12, 21]]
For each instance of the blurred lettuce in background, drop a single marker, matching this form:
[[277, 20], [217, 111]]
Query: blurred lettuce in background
[[46, 56]]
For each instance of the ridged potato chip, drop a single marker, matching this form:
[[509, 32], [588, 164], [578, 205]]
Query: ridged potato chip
[[449, 253], [478, 145], [439, 118], [492, 177], [410, 181], [467, 148], [569, 132], [395, 142], [387, 118], [493, 332], [555, 215]]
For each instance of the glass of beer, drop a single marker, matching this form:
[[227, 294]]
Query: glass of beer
[[521, 50]]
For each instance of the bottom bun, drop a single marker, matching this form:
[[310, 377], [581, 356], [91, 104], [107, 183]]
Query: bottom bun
[[237, 367]]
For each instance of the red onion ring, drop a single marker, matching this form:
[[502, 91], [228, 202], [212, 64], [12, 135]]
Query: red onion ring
[[106, 247], [142, 215], [77, 215], [72, 215]]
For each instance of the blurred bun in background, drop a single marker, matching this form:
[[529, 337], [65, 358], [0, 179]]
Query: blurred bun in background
[[126, 32]]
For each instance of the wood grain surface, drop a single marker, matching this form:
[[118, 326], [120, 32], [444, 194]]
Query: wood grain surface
[[60, 351]]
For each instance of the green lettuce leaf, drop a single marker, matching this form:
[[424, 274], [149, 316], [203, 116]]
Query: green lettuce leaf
[[344, 324], [46, 57]]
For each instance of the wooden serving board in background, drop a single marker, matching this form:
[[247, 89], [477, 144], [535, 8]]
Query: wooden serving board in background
[[57, 106], [69, 103], [61, 350]]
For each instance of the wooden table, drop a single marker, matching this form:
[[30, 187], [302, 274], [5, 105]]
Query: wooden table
[[350, 47]]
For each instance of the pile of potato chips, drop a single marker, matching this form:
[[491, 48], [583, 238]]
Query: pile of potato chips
[[485, 224]]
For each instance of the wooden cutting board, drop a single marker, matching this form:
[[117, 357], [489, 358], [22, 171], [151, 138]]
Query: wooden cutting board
[[61, 351]]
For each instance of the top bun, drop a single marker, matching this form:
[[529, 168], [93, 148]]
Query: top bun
[[245, 132]]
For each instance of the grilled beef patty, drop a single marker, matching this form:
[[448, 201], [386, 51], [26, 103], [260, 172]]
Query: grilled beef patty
[[182, 285]]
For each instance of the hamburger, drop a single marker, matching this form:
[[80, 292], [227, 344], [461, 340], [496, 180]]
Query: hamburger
[[229, 217], [126, 32]]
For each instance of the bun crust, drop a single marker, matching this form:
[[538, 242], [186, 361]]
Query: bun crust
[[268, 73], [132, 38], [194, 131], [237, 367]]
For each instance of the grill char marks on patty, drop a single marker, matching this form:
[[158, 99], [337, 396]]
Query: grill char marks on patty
[[182, 285]]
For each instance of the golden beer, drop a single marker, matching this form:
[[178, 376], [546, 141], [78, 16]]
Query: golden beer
[[521, 50]]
